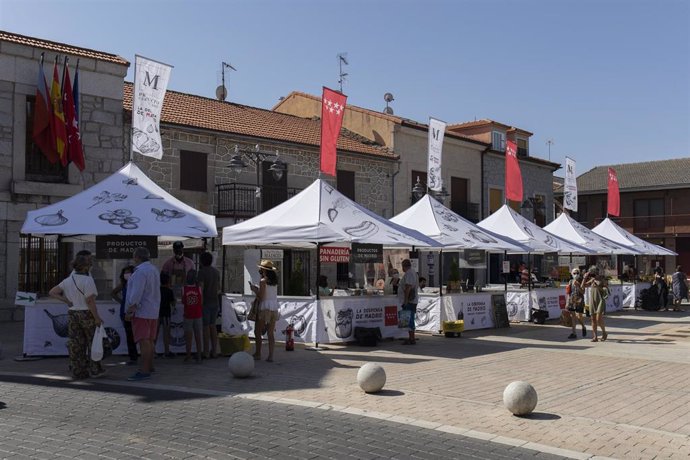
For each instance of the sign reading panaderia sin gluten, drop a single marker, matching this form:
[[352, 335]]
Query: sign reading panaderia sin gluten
[[367, 253], [122, 247]]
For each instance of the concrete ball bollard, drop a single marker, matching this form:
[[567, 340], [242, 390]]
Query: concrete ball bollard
[[520, 398], [241, 364], [371, 377]]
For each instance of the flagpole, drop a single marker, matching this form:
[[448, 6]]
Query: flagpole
[[78, 117], [131, 126]]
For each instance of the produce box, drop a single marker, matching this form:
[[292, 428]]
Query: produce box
[[232, 344]]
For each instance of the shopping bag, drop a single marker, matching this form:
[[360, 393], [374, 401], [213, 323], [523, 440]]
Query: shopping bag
[[566, 319], [404, 318], [254, 310], [99, 336]]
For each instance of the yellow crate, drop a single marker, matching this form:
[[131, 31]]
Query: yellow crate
[[233, 344], [453, 328]]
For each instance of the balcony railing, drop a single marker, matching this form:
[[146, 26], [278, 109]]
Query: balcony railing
[[241, 200]]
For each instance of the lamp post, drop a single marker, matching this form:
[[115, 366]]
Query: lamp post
[[257, 157], [418, 191]]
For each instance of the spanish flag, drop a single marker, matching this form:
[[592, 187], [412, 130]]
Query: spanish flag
[[58, 118]]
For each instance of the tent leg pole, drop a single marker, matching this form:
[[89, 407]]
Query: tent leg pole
[[316, 346]]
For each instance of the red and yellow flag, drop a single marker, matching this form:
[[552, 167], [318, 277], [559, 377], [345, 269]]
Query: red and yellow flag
[[43, 118], [60, 132]]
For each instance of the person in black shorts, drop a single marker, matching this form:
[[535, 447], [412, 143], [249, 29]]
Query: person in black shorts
[[167, 305], [576, 302]]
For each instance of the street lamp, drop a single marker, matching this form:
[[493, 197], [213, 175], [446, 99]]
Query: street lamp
[[441, 195], [257, 156], [418, 190]]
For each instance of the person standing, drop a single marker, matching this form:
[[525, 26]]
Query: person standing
[[120, 295], [267, 296], [177, 267], [165, 312], [209, 283], [191, 299], [79, 292], [679, 284], [661, 287], [598, 306], [407, 296], [143, 302], [576, 302]]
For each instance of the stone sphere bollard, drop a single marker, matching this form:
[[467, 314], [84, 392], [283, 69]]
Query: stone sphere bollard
[[241, 364], [520, 398], [371, 377]]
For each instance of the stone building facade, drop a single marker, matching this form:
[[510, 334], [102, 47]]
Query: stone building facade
[[101, 118]]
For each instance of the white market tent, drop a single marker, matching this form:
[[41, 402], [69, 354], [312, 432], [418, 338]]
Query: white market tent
[[126, 203], [609, 229], [569, 229], [454, 232], [320, 214], [508, 223]]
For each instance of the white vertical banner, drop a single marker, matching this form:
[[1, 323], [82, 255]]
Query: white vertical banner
[[150, 84], [570, 186], [436, 130]]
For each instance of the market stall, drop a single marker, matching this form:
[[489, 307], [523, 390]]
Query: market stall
[[317, 216], [127, 210]]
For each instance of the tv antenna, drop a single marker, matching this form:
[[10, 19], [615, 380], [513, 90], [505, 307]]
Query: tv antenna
[[342, 59], [221, 91], [388, 97], [550, 142]]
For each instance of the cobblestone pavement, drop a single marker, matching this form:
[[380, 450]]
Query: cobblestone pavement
[[624, 398], [46, 419]]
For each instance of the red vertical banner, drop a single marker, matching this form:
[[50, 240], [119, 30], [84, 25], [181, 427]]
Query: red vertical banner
[[513, 174], [614, 199], [332, 111]]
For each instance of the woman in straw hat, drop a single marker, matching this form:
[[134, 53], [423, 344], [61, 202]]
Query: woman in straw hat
[[267, 296]]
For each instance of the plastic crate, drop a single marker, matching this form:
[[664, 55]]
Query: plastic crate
[[233, 344], [453, 328]]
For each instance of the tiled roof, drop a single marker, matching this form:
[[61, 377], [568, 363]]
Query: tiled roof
[[200, 112], [385, 116], [558, 184], [638, 176], [61, 47]]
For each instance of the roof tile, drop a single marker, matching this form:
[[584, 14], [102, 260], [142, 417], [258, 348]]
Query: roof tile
[[200, 112], [648, 174]]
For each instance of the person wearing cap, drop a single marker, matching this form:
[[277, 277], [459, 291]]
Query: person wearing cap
[[267, 296], [576, 302], [177, 267]]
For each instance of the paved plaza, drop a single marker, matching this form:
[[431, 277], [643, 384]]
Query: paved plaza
[[624, 398]]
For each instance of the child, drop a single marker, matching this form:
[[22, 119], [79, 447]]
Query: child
[[167, 305], [192, 301]]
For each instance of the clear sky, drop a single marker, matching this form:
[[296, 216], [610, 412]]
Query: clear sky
[[607, 80]]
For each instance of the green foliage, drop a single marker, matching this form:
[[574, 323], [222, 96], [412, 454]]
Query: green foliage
[[454, 271]]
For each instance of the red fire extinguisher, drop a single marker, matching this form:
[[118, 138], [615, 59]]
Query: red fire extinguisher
[[289, 340]]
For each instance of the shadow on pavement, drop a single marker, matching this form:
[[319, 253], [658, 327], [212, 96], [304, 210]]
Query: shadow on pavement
[[540, 416]]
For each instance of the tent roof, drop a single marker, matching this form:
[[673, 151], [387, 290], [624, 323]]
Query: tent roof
[[507, 222], [609, 229], [321, 214], [569, 229], [433, 219], [126, 203]]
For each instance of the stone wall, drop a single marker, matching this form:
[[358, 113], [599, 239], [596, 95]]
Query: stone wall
[[101, 117]]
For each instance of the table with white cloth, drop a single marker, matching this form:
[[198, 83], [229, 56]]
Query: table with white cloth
[[46, 328]]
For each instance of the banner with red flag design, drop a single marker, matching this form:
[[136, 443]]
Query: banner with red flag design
[[614, 199], [513, 174], [332, 111]]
